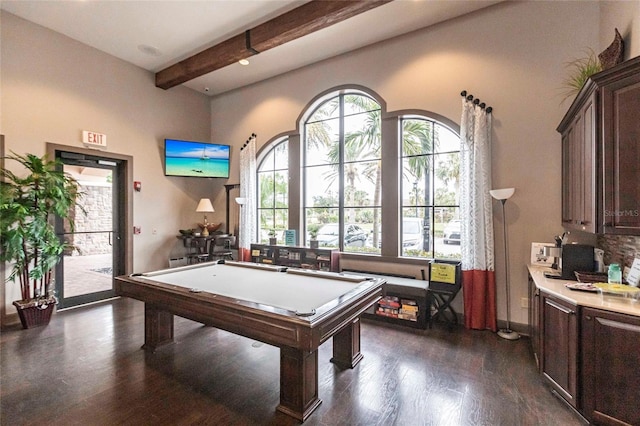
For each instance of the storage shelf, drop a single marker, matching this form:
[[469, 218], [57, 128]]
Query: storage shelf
[[296, 257]]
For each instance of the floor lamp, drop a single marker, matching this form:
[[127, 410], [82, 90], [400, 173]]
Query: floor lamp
[[503, 195]]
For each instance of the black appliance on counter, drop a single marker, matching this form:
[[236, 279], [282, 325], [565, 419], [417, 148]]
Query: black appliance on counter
[[577, 257]]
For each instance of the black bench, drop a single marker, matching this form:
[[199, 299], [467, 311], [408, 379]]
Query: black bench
[[432, 297]]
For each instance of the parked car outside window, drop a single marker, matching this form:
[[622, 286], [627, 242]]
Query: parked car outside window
[[354, 235], [452, 232], [412, 233]]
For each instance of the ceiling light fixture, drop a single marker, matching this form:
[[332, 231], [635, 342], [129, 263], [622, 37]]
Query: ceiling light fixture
[[247, 43], [149, 50]]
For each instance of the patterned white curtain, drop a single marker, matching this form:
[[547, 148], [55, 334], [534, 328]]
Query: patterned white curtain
[[477, 217], [248, 193]]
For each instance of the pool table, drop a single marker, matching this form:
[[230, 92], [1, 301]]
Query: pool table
[[295, 310]]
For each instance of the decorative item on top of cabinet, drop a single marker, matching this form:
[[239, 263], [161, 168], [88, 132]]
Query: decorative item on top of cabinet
[[613, 54], [600, 153]]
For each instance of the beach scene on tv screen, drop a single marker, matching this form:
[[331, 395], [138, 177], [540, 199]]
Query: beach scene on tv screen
[[196, 159]]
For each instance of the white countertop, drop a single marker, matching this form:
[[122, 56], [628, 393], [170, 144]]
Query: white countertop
[[582, 298]]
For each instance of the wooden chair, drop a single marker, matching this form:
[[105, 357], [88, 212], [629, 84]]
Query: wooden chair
[[445, 281], [220, 247]]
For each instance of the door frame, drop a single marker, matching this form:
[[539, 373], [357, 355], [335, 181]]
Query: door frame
[[125, 215], [5, 318]]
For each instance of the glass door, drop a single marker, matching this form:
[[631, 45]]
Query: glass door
[[85, 273]]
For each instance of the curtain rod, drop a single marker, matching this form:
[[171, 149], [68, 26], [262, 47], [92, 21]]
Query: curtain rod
[[476, 101], [253, 136]]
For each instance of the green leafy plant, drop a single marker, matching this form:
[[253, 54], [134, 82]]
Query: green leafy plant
[[272, 233], [27, 207], [313, 231], [579, 71]]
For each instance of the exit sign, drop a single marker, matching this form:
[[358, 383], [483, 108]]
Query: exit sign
[[93, 139]]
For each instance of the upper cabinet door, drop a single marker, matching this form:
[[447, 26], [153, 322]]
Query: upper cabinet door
[[601, 153], [579, 165], [621, 155]]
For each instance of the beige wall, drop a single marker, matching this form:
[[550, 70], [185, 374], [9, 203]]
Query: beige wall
[[54, 87], [511, 56]]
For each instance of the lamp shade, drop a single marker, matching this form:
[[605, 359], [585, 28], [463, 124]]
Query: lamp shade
[[241, 200], [502, 194], [204, 206]]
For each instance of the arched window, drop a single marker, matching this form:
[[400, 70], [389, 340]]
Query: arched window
[[430, 181], [342, 171], [327, 183], [273, 192]]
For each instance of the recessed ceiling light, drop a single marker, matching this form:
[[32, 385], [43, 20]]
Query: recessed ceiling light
[[243, 62], [149, 50]]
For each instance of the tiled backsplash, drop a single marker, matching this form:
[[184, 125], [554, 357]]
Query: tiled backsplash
[[620, 249]]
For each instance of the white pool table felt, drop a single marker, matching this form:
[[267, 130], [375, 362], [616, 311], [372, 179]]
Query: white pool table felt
[[285, 290]]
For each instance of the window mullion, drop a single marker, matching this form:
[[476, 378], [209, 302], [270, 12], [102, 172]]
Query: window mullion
[[341, 150]]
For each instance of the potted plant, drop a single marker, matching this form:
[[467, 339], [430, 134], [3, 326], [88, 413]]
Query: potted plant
[[313, 235], [272, 237], [579, 72], [27, 235]]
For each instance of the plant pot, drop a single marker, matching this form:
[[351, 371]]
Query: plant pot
[[313, 244], [273, 241], [35, 312]]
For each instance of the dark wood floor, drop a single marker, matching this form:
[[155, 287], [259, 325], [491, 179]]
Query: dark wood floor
[[87, 368]]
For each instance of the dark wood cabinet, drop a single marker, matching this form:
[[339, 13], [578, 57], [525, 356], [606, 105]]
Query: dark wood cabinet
[[534, 319], [589, 356], [620, 107], [296, 257], [601, 152], [579, 165], [610, 367], [559, 346]]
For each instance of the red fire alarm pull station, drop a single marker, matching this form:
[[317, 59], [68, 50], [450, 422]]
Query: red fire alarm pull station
[[137, 185]]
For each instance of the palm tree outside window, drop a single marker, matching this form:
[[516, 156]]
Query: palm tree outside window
[[339, 191], [342, 173], [430, 189], [273, 192]]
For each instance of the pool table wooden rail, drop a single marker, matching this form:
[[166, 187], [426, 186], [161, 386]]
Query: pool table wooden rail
[[298, 337], [275, 326]]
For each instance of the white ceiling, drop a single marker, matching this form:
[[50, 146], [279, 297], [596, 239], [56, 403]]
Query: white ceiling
[[178, 29]]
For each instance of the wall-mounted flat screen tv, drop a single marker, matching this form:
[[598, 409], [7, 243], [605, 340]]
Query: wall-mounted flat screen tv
[[195, 159]]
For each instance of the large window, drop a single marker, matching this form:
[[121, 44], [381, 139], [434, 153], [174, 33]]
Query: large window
[[430, 168], [342, 173], [328, 182], [273, 193]]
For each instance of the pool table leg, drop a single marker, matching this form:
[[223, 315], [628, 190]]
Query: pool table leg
[[158, 327], [298, 383], [346, 346]]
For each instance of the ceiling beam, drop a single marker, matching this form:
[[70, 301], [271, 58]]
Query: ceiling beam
[[306, 19]]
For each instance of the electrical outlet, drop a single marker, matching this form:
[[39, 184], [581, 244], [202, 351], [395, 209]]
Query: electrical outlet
[[524, 303]]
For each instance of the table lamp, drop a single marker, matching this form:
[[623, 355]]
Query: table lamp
[[204, 206], [503, 195]]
